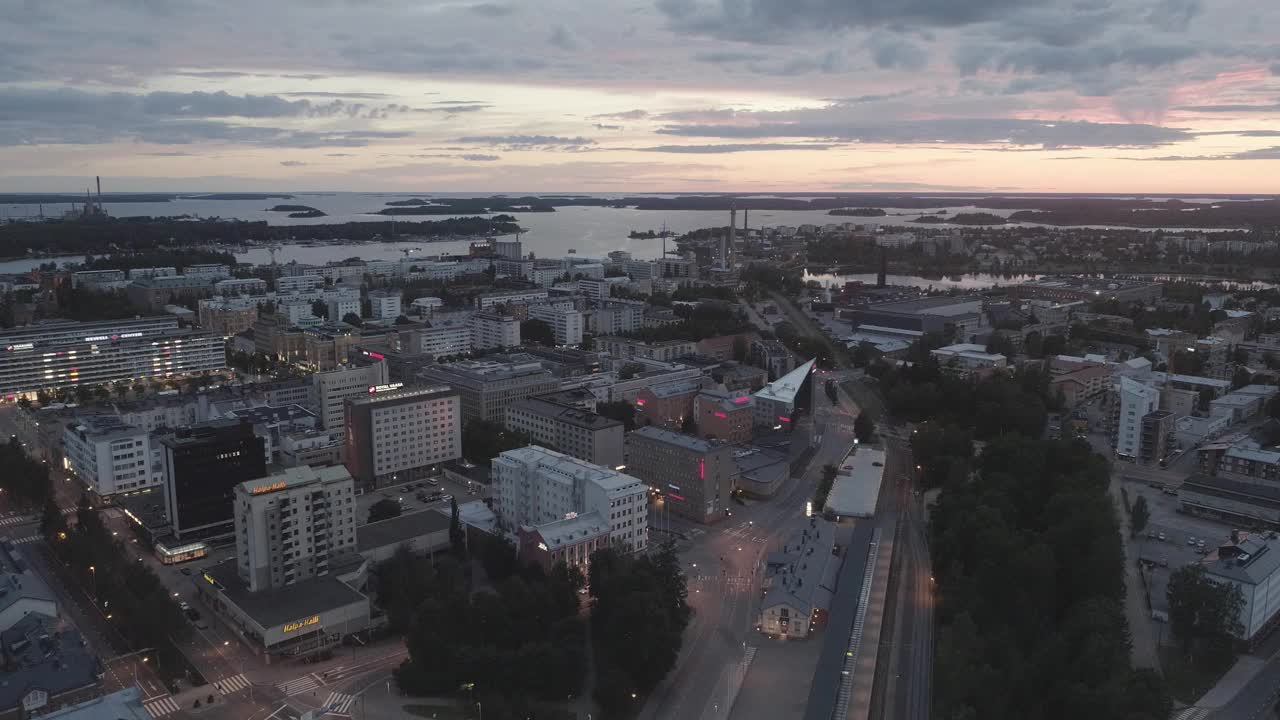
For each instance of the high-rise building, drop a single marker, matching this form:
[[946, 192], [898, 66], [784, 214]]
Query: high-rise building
[[290, 523], [565, 322], [487, 387], [331, 390], [202, 466], [398, 434], [695, 476], [1135, 401], [579, 433], [534, 486], [384, 304], [67, 354], [110, 457]]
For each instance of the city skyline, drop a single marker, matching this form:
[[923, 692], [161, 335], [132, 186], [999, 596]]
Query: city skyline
[[1173, 96]]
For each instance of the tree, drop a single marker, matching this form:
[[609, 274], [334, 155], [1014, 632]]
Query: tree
[[629, 371], [1204, 615], [1139, 515], [825, 483], [625, 413], [482, 441], [1206, 397], [1001, 344], [457, 537], [1240, 378], [353, 319], [384, 510], [832, 393], [320, 309], [740, 348], [864, 427], [537, 331]]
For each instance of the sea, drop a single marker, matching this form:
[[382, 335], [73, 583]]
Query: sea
[[591, 232]]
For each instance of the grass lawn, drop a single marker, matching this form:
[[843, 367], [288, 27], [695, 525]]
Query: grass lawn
[[1187, 682]]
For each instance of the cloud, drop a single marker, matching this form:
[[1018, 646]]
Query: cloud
[[728, 57], [733, 148], [1047, 59], [491, 9], [1267, 153], [602, 126], [339, 154], [625, 115], [897, 53], [479, 157], [1230, 108], [346, 95], [529, 142], [831, 126], [561, 37], [1275, 69], [292, 163], [1242, 133], [453, 107]]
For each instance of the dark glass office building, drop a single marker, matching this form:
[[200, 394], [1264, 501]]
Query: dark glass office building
[[203, 464]]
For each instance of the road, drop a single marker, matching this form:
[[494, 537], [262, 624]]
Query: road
[[723, 564]]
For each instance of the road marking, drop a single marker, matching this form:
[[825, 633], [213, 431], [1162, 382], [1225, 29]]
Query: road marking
[[163, 706], [25, 540], [339, 702], [17, 519], [235, 683], [299, 685]]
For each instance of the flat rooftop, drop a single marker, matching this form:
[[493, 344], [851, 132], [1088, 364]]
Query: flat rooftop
[[566, 414], [400, 529], [856, 490], [669, 437], [270, 608]]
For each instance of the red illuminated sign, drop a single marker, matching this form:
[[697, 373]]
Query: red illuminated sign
[[721, 415], [783, 418]]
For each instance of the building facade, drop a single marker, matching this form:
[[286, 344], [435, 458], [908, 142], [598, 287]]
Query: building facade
[[579, 433], [487, 387], [565, 322], [110, 457], [290, 523], [1134, 402], [694, 476], [534, 486], [203, 464], [331, 390], [493, 330], [397, 434]]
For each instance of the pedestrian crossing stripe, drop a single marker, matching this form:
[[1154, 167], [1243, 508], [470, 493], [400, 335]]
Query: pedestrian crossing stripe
[[161, 707], [16, 520], [25, 540], [299, 685], [339, 702], [1192, 713], [235, 683]]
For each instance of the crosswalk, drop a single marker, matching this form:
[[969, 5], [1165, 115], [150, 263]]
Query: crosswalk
[[299, 685], [162, 706], [25, 540], [16, 520], [339, 703], [234, 683], [1192, 713], [733, 581]]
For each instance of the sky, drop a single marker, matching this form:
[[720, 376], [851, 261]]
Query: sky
[[1142, 96]]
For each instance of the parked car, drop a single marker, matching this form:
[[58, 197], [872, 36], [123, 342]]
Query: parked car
[[1161, 536]]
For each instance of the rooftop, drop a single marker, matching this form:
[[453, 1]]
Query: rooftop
[[688, 442], [803, 572], [102, 427], [1191, 380], [43, 654], [265, 414], [1252, 560], [295, 477], [1235, 399], [784, 389], [277, 606], [942, 306], [576, 528], [856, 490], [123, 704], [677, 387], [400, 529], [403, 395], [565, 413]]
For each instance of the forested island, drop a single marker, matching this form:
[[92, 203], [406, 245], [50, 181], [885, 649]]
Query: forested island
[[457, 206], [858, 212], [55, 237], [963, 219], [299, 211], [649, 234]]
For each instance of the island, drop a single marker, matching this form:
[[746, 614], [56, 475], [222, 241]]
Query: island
[[978, 219], [929, 219], [649, 234], [470, 206], [237, 196], [408, 203], [858, 212], [299, 211]]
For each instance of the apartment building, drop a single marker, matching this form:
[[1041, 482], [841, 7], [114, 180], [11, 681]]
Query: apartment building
[[110, 457], [384, 304], [227, 316], [398, 434], [441, 338], [487, 387], [534, 486], [494, 330], [627, 348], [565, 322], [578, 433], [694, 476], [726, 416], [487, 301], [1134, 402], [331, 390], [289, 524], [618, 316]]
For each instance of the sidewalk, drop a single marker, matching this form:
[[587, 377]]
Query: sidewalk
[[1229, 685]]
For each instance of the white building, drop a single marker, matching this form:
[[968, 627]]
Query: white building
[[109, 456], [618, 316], [1252, 564], [485, 301], [289, 524], [394, 435], [299, 283], [384, 304], [426, 305], [299, 313], [340, 307], [565, 322], [331, 390], [775, 402], [601, 288], [213, 271], [492, 330], [1136, 401], [534, 486], [240, 286], [967, 358], [446, 337]]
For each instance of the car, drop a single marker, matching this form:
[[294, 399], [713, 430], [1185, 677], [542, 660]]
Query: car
[[1151, 534], [202, 624], [1161, 536], [1191, 540], [433, 481], [185, 571], [446, 498], [184, 606], [1200, 544], [192, 614], [406, 488]]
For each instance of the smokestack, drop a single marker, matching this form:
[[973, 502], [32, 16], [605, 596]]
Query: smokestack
[[733, 228], [745, 227], [98, 180]]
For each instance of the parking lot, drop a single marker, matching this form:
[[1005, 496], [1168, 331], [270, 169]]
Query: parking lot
[[1181, 543], [416, 495]]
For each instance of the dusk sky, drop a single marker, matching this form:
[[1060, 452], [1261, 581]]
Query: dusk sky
[[617, 95]]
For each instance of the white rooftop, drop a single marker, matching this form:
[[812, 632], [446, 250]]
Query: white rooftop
[[857, 486], [784, 389]]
